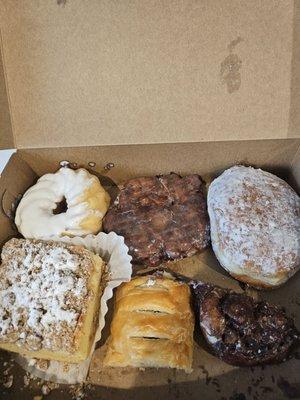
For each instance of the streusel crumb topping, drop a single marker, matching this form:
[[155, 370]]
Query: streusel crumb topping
[[43, 293]]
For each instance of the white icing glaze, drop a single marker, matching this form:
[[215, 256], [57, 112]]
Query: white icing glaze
[[255, 224], [34, 215]]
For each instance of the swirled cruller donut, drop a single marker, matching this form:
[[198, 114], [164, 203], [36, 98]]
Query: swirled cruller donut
[[255, 226], [85, 204]]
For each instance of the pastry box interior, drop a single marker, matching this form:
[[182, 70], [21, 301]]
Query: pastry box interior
[[129, 89]]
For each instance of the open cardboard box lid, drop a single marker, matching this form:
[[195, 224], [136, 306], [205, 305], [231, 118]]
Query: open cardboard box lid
[[97, 73], [198, 85]]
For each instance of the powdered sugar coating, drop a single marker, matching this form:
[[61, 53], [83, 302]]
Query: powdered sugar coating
[[255, 224], [43, 293]]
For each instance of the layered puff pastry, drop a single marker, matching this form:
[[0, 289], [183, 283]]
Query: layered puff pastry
[[152, 326], [49, 299]]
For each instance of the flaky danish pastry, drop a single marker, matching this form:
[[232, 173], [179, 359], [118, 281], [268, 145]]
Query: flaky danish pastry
[[152, 326]]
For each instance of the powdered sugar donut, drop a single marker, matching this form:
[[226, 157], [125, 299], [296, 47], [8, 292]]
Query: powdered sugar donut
[[255, 226], [86, 204]]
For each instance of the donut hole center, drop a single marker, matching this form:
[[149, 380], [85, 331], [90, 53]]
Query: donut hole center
[[61, 207]]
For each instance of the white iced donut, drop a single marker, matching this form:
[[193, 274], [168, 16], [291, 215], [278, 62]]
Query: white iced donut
[[86, 203]]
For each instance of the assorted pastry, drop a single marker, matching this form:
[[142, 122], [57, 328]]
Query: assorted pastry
[[255, 226], [50, 291], [49, 298], [153, 325], [162, 218], [68, 202], [241, 330]]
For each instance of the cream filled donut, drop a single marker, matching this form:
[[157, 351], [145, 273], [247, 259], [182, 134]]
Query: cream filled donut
[[86, 204], [255, 226]]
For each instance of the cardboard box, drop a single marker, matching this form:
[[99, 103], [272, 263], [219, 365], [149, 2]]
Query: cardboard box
[[153, 87]]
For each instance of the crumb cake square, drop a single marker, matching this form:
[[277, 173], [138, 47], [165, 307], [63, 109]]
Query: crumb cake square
[[49, 299]]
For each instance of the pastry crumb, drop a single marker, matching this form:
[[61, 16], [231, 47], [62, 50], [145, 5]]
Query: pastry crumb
[[26, 380], [42, 364], [46, 389], [78, 391], [8, 381], [66, 367], [6, 372]]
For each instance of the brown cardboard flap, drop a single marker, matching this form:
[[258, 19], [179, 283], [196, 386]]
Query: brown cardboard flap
[[93, 73], [14, 181], [6, 135], [204, 158]]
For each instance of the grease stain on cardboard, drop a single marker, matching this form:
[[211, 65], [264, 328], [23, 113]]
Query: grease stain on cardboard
[[61, 2], [230, 68]]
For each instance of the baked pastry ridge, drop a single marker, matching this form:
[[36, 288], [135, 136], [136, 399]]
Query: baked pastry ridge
[[49, 299], [152, 325]]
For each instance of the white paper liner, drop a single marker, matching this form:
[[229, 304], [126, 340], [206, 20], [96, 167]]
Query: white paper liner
[[112, 249]]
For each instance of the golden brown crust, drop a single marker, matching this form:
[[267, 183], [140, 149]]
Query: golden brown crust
[[251, 281], [152, 326], [276, 281]]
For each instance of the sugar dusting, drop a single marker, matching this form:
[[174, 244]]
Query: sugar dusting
[[256, 220], [43, 292], [150, 282]]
